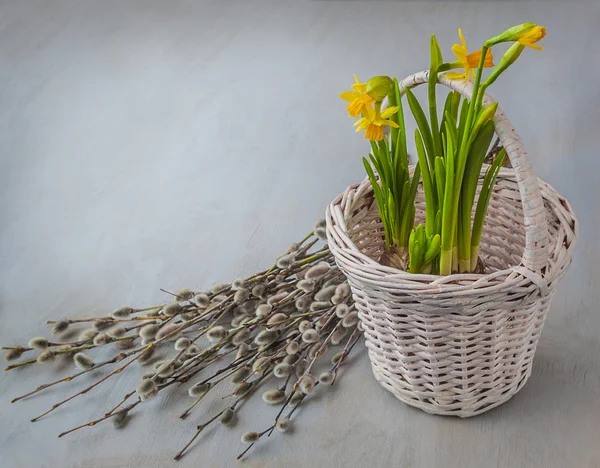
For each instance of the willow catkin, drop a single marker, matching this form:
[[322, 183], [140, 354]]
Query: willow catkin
[[121, 312], [250, 437], [343, 289], [241, 295], [216, 333], [88, 334], [198, 389], [182, 343], [59, 327], [292, 347], [306, 285], [285, 261], [351, 320], [241, 336], [277, 298], [274, 396], [336, 357], [102, 324], [291, 359], [240, 320], [259, 363], [282, 370], [238, 284], [319, 306], [83, 362], [326, 378], [266, 337], [303, 303], [146, 389], [217, 288], [301, 367], [338, 336], [149, 331], [46, 356], [240, 374], [326, 293], [263, 310], [304, 325], [243, 348], [125, 344], [39, 342], [316, 272], [101, 339], [342, 310], [283, 424], [297, 397], [118, 418], [116, 332], [310, 336], [14, 354], [168, 329], [337, 299], [185, 294], [146, 356], [201, 300], [318, 347], [321, 233], [307, 384], [258, 290], [227, 417], [277, 320], [172, 309]]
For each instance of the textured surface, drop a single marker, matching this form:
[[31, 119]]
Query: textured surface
[[151, 144]]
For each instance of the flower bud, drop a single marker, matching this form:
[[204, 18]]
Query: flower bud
[[379, 87]]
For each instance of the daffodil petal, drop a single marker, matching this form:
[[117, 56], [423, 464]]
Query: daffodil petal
[[455, 76], [349, 95], [462, 39], [389, 111]]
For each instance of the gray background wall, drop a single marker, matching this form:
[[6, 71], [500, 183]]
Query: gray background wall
[[149, 144]]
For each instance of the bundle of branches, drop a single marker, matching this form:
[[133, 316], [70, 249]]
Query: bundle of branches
[[270, 327]]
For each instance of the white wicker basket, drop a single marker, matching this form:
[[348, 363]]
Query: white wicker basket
[[459, 344]]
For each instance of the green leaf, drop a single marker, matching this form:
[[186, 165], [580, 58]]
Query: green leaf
[[401, 131], [430, 201], [380, 200], [422, 123], [432, 250], [462, 122], [416, 256]]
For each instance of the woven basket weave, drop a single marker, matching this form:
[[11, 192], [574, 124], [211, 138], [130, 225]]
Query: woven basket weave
[[459, 344]]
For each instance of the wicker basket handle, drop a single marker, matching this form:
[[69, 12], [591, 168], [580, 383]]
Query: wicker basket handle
[[535, 255]]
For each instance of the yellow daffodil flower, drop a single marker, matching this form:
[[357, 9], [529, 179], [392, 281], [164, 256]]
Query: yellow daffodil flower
[[468, 61], [531, 36], [358, 98], [373, 121]]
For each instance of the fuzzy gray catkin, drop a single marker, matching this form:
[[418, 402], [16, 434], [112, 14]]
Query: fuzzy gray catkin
[[310, 336], [274, 396], [319, 305], [82, 361], [326, 378], [227, 417], [185, 294], [116, 332], [241, 295], [217, 288], [243, 348], [168, 329], [250, 437], [263, 310], [303, 303], [172, 309], [285, 261], [14, 354], [326, 293], [351, 320], [59, 327], [277, 298], [240, 337], [283, 424], [342, 310], [119, 418], [240, 374], [182, 343], [125, 344], [297, 397], [306, 285], [238, 284], [277, 320], [292, 348], [304, 325], [321, 233], [258, 290], [318, 347], [39, 342], [46, 356], [307, 383], [101, 339], [201, 300], [282, 370], [149, 331], [121, 312], [336, 357], [343, 290], [87, 334], [291, 359], [316, 272], [146, 389], [265, 337], [301, 367], [146, 356], [259, 363], [198, 389], [338, 336]]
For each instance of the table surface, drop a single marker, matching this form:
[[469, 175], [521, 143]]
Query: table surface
[[150, 144]]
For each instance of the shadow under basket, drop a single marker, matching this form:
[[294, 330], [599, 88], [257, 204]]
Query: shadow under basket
[[460, 344]]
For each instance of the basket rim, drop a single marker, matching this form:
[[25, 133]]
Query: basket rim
[[371, 271]]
